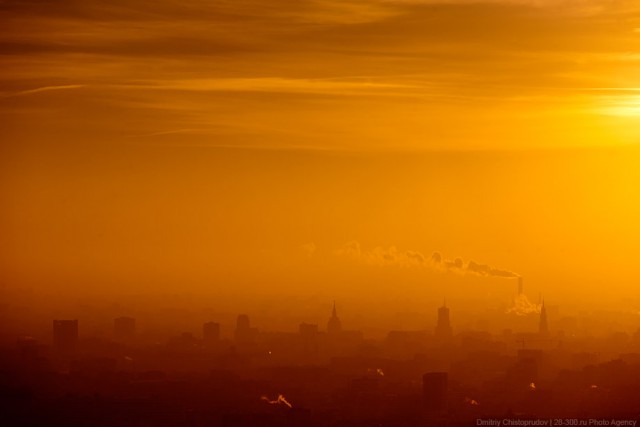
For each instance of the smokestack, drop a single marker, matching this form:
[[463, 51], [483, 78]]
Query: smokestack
[[520, 286]]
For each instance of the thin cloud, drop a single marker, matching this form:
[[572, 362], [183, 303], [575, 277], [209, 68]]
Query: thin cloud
[[381, 74], [44, 89], [273, 84], [168, 132]]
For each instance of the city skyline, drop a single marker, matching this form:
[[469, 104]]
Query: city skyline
[[319, 213], [452, 377]]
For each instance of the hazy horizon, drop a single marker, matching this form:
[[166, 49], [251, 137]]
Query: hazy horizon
[[248, 229]]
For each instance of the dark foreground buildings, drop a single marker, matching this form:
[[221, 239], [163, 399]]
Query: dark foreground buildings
[[317, 378], [65, 335]]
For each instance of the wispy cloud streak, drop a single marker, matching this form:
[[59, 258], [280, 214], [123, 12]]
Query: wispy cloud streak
[[43, 89]]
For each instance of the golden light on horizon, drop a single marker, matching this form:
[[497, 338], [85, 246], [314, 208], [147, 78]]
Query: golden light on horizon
[[373, 207], [624, 105], [237, 140]]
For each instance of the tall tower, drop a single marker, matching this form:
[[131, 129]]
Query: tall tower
[[520, 286], [334, 326], [544, 325], [443, 327], [243, 331]]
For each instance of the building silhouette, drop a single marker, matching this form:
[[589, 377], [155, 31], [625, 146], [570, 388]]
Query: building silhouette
[[242, 322], [244, 333], [309, 340], [434, 391], [308, 330], [544, 324], [520, 286], [525, 370], [443, 327], [338, 341], [334, 326], [211, 332], [28, 348], [65, 335], [124, 327]]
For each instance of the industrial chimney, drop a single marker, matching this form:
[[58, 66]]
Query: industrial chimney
[[520, 287]]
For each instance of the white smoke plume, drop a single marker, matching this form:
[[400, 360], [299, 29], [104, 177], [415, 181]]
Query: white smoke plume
[[382, 256], [392, 256], [522, 306], [308, 249], [280, 400]]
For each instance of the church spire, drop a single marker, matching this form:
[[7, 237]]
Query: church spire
[[334, 326], [544, 323]]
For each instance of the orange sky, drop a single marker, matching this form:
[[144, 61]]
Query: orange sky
[[323, 74], [220, 143]]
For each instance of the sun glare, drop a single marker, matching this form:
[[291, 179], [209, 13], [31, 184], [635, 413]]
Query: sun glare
[[622, 105]]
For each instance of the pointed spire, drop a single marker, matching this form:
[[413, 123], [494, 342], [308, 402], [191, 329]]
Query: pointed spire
[[334, 326], [445, 302], [544, 324]]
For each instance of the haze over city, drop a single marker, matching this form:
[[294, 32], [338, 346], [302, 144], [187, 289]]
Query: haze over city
[[184, 163]]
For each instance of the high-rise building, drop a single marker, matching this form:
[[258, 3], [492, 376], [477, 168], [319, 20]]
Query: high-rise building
[[65, 335], [124, 327], [434, 391], [334, 326], [244, 332], [443, 327], [211, 332], [544, 325]]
